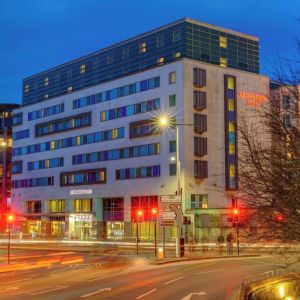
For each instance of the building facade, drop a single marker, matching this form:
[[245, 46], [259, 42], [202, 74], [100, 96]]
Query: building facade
[[89, 151], [5, 159]]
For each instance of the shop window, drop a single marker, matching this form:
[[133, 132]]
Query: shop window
[[34, 206], [56, 205], [145, 204], [83, 205], [113, 209]]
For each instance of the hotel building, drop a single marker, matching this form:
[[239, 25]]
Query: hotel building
[[88, 152]]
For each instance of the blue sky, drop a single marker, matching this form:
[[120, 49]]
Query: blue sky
[[39, 34]]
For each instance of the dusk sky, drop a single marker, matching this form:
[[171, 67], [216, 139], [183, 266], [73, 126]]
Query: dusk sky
[[39, 34]]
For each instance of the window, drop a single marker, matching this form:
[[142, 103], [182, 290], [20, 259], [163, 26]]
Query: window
[[142, 48], [82, 69], [172, 77], [56, 205], [223, 62], [199, 100], [200, 169], [32, 182], [110, 59], [83, 177], [34, 206], [223, 41], [46, 81], [65, 124], [136, 173], [199, 201], [130, 110], [172, 100], [160, 40], [70, 89], [26, 89], [121, 153], [22, 134], [113, 209], [45, 112], [176, 35], [172, 146], [16, 167], [172, 169], [99, 136], [200, 122], [17, 119], [176, 55], [46, 96], [160, 60], [123, 91], [143, 128], [125, 53], [45, 163], [83, 205], [199, 76], [287, 120], [286, 102], [200, 146]]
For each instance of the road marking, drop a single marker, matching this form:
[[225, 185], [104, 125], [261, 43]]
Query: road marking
[[27, 292], [9, 289], [98, 278], [168, 282], [218, 270], [96, 292], [146, 294], [188, 297], [14, 281], [50, 290]]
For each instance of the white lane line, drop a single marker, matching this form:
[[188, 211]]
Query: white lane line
[[98, 278], [96, 292], [50, 290], [189, 296], [211, 271], [168, 282], [146, 294], [9, 289], [15, 281], [27, 292]]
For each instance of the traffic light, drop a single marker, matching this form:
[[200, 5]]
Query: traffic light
[[154, 214], [139, 215], [10, 221], [236, 215], [186, 221]]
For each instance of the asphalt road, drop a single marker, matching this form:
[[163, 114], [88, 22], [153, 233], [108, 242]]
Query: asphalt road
[[134, 279]]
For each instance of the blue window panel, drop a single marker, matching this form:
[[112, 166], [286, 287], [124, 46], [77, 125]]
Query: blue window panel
[[114, 94], [230, 94], [232, 182], [143, 150], [231, 116], [231, 137], [107, 95], [156, 171], [232, 159], [144, 85]]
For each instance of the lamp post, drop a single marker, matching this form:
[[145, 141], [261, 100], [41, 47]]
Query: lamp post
[[165, 121]]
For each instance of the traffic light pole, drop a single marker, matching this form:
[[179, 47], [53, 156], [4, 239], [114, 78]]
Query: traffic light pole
[[155, 240], [238, 238], [137, 237], [8, 247]]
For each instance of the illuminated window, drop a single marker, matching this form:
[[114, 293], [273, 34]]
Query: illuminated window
[[231, 148], [142, 48], [82, 69], [46, 96], [70, 89], [115, 134], [26, 88], [172, 77], [176, 55], [160, 60], [102, 116], [223, 62], [232, 170], [289, 155], [230, 83], [46, 81], [57, 205], [199, 201], [231, 104], [231, 127], [52, 145], [223, 41]]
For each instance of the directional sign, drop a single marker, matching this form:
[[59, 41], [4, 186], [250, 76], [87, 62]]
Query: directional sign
[[167, 223], [174, 205], [170, 198], [167, 215]]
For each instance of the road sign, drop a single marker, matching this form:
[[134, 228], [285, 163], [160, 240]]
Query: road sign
[[167, 215], [167, 223], [174, 205], [170, 198]]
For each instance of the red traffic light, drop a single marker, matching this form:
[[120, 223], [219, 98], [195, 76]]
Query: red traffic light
[[236, 211], [139, 213], [279, 218], [10, 218], [154, 211]]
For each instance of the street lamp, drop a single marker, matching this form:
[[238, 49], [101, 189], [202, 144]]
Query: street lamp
[[166, 121]]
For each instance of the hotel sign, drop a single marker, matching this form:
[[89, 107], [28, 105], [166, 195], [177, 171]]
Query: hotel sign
[[253, 99], [81, 192]]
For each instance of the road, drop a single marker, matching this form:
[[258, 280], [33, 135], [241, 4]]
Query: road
[[134, 279]]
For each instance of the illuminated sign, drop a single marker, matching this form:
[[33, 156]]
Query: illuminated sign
[[253, 99], [81, 192]]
